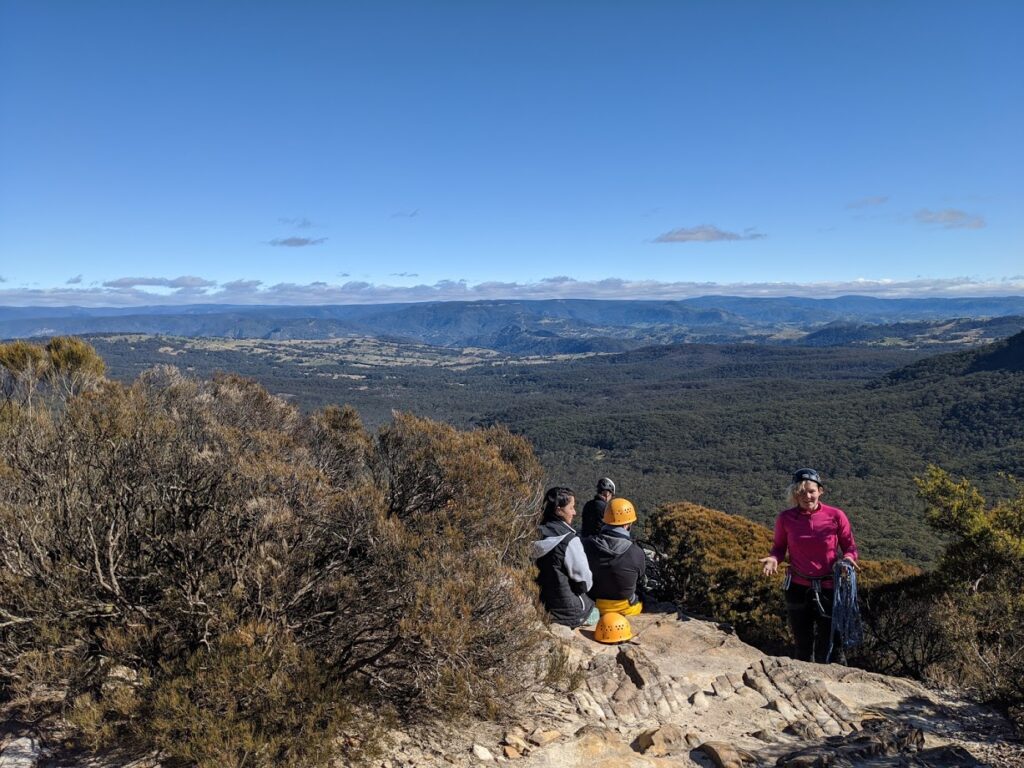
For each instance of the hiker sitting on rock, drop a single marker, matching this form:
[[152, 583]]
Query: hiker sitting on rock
[[593, 510], [563, 573], [617, 562], [816, 536]]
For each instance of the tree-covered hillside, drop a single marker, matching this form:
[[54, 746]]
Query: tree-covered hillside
[[717, 425]]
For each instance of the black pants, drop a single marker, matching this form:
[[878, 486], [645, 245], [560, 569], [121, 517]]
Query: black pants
[[811, 624]]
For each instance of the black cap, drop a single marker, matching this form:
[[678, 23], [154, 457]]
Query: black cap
[[605, 484], [806, 474]]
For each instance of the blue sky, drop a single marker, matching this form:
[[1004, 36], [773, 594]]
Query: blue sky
[[337, 152]]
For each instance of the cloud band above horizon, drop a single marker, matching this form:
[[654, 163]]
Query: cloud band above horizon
[[189, 289]]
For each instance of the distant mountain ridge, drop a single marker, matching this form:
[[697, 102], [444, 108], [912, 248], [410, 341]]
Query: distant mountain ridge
[[558, 326]]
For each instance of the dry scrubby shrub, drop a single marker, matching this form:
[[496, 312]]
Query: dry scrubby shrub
[[713, 569], [195, 567], [252, 698], [64, 367], [899, 618], [985, 630]]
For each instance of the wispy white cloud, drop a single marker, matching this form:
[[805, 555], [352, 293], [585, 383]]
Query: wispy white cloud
[[705, 233], [77, 279], [868, 202], [300, 222], [296, 242], [406, 214], [404, 274], [186, 282], [950, 218], [241, 286], [133, 291]]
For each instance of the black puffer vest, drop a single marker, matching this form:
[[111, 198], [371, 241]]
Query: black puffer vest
[[564, 599]]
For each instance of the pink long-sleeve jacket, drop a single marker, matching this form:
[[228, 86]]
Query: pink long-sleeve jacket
[[815, 540]]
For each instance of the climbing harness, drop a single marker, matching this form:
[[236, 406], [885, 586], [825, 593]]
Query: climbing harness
[[845, 611], [816, 596]]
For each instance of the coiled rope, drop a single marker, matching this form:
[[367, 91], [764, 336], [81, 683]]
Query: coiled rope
[[845, 611]]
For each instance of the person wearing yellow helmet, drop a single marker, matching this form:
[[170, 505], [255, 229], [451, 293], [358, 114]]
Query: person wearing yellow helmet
[[617, 562]]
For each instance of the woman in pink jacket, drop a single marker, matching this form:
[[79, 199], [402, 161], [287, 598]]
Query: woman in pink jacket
[[816, 536]]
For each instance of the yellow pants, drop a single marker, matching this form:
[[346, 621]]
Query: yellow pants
[[619, 606]]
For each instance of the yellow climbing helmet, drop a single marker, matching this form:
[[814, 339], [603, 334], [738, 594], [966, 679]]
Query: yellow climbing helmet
[[613, 628], [619, 512]]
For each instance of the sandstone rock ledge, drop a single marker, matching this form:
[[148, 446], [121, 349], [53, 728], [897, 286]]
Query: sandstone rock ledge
[[684, 692]]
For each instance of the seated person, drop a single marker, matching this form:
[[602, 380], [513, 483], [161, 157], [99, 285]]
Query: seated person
[[617, 562], [563, 574], [593, 510]]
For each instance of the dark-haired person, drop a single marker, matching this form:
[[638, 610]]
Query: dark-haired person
[[563, 574], [815, 536], [593, 510]]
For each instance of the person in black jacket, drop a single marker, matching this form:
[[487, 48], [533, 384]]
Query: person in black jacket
[[593, 510], [617, 562], [563, 573]]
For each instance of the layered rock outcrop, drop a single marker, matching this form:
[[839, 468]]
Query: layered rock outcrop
[[688, 692]]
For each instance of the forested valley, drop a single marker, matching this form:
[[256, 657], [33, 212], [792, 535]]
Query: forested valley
[[717, 425]]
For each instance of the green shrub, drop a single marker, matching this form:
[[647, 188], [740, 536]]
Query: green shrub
[[980, 608]]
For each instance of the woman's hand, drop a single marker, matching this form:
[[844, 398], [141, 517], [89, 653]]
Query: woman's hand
[[771, 565], [852, 562]]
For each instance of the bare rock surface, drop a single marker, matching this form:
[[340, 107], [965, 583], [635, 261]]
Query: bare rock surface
[[684, 692], [20, 752]]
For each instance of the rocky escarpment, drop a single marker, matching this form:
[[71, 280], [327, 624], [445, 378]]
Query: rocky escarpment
[[686, 692]]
